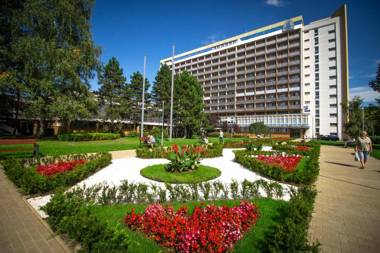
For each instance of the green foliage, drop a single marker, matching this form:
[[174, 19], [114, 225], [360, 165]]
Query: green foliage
[[354, 125], [159, 173], [134, 95], [305, 173], [86, 136], [162, 88], [23, 172], [48, 62], [259, 128], [291, 234], [156, 132], [188, 106], [69, 214], [112, 91], [182, 159], [375, 84]]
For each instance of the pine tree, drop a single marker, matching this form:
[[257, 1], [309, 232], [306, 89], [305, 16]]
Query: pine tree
[[111, 92], [375, 84], [161, 89], [134, 94]]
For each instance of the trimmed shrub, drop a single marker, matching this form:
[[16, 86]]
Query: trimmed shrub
[[23, 172], [70, 214], [88, 136], [305, 173]]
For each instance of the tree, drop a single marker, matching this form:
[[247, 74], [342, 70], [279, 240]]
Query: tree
[[375, 84], [354, 125], [161, 89], [134, 93], [112, 91], [188, 107], [258, 128], [52, 55]]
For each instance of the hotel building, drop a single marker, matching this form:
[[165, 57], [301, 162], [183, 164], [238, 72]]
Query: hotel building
[[291, 76]]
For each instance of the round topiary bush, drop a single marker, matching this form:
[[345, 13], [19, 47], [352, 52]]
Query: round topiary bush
[[159, 173]]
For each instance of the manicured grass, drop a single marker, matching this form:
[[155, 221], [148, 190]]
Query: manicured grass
[[270, 213], [376, 153], [56, 147], [158, 173]]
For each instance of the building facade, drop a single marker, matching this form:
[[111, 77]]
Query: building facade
[[291, 76]]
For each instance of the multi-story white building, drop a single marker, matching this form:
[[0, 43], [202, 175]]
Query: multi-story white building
[[291, 76]]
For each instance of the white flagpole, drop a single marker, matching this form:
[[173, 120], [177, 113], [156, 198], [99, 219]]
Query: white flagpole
[[171, 98], [143, 102]]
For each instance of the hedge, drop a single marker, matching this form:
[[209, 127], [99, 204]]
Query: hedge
[[305, 173], [213, 150], [23, 172], [88, 136], [291, 233], [70, 214]]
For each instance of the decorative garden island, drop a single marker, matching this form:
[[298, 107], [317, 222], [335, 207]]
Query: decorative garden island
[[235, 196]]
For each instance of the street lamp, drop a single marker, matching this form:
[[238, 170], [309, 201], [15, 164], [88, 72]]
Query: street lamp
[[143, 102], [162, 129], [171, 98]]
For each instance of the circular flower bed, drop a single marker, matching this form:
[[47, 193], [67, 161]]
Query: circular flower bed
[[159, 173]]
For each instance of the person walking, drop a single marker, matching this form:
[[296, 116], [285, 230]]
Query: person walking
[[363, 148], [221, 136]]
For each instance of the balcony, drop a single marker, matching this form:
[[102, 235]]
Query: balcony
[[284, 64], [294, 53]]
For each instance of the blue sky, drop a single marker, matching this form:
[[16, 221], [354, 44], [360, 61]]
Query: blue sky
[[129, 30]]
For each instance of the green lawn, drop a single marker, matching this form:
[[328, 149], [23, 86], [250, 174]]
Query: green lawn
[[55, 147], [269, 210], [158, 173]]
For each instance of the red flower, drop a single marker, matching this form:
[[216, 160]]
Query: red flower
[[287, 163], [55, 168], [303, 148], [175, 148], [207, 229]]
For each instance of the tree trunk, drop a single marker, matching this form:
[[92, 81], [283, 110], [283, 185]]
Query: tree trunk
[[41, 129]]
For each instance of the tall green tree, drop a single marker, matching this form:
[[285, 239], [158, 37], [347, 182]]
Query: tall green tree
[[258, 128], [161, 89], [134, 95], [112, 91], [354, 124], [188, 105], [375, 84], [53, 55]]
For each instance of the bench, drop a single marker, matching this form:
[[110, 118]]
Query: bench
[[36, 146]]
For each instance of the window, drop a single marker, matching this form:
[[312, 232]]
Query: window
[[332, 77], [307, 66], [307, 93], [307, 75], [332, 49], [332, 86], [333, 124], [307, 40], [316, 50], [317, 85], [332, 59], [317, 76], [333, 96], [316, 67], [332, 67], [307, 84], [307, 57], [333, 114], [306, 32], [315, 32], [331, 31], [331, 40], [316, 42], [317, 58], [307, 49], [333, 105]]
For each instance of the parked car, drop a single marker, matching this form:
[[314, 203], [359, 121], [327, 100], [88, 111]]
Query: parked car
[[330, 137]]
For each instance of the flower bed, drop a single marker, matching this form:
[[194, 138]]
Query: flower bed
[[287, 163], [210, 150], [42, 175], [55, 168], [208, 229]]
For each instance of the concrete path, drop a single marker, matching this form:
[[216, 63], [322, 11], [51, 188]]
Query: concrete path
[[347, 207], [21, 229], [123, 154]]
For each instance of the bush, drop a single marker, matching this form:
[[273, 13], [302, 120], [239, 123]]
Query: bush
[[290, 234], [305, 173], [23, 172], [185, 158], [133, 134], [213, 150], [69, 214], [375, 139], [88, 136]]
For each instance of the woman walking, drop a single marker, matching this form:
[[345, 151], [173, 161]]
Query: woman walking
[[363, 148]]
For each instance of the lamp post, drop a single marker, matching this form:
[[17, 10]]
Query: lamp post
[[362, 119], [162, 129], [143, 102], [171, 99]]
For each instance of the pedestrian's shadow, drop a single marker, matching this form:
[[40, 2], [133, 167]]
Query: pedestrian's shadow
[[342, 164]]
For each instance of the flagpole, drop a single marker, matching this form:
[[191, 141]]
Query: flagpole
[[171, 98], [143, 102]]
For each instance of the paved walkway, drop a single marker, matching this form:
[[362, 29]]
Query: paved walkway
[[347, 208], [123, 154], [21, 229]]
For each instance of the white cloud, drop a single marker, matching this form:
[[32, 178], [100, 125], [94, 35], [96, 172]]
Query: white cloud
[[276, 3], [365, 92], [212, 38]]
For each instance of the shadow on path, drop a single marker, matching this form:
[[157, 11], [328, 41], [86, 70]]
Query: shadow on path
[[342, 164]]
